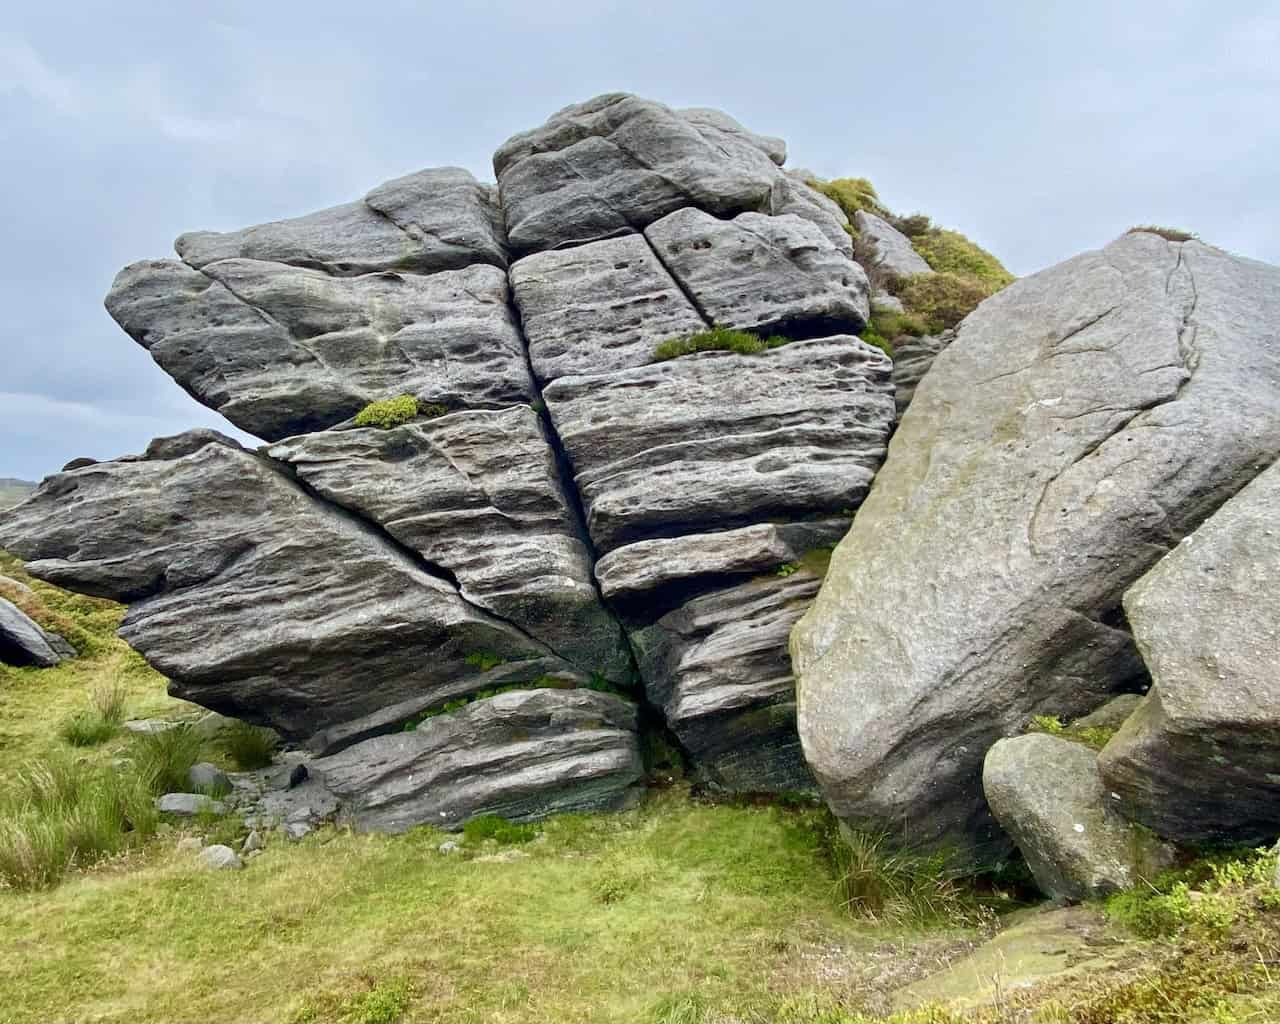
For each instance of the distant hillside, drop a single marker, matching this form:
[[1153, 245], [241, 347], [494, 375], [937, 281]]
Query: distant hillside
[[13, 491]]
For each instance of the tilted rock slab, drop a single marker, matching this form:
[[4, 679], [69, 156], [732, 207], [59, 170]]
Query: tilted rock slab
[[1046, 792], [520, 755], [912, 358], [891, 252], [437, 219], [254, 598], [282, 350], [23, 642], [1199, 761], [477, 495], [719, 440], [1083, 421], [718, 668]]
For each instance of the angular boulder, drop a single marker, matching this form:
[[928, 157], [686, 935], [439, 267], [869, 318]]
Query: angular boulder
[[437, 219], [477, 495], [256, 599], [616, 163], [23, 642], [1082, 422], [912, 357], [767, 275], [1199, 761], [1047, 794], [282, 350], [890, 253], [520, 755]]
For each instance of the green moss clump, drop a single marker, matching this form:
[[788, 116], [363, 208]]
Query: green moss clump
[[388, 413], [1168, 234], [505, 833], [717, 339]]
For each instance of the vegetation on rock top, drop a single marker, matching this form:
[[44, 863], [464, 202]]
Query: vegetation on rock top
[[388, 412], [717, 339], [1168, 234]]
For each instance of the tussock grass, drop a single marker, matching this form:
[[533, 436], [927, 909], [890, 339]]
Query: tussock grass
[[1168, 234], [717, 339], [101, 720], [162, 760], [248, 746]]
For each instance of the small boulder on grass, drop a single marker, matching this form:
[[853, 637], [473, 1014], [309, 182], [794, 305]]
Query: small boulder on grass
[[209, 778], [1045, 791], [188, 805], [220, 858]]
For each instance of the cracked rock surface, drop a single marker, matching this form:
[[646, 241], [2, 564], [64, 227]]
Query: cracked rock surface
[[1083, 421]]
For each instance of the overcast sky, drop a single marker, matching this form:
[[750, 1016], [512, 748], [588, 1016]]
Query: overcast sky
[[1039, 129]]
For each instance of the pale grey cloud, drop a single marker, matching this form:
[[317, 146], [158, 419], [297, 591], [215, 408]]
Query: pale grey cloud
[[1040, 129]]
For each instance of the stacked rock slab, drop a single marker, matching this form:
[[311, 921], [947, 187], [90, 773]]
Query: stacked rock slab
[[1083, 421], [344, 583], [1199, 761], [702, 477], [23, 642]]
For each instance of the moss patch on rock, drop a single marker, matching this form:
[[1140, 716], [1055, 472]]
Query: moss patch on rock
[[388, 412], [717, 339]]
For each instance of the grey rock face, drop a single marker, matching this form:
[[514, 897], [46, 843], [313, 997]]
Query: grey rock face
[[520, 755], [188, 805], [763, 274], [718, 668], [891, 251], [1113, 714], [1046, 792], [598, 307], [661, 450], [477, 495], [616, 163], [716, 124], [23, 642], [912, 357], [215, 535], [437, 219], [220, 858], [1083, 421], [1199, 762], [283, 350]]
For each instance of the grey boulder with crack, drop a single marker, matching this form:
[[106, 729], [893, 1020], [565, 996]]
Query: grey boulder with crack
[[717, 440], [477, 495], [437, 219], [520, 755], [1199, 761], [1047, 794], [598, 307], [255, 598], [282, 350], [1083, 421], [763, 274]]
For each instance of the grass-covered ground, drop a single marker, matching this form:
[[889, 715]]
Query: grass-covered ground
[[681, 911]]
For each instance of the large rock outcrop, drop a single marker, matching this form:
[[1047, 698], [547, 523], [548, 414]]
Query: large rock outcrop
[[1083, 421], [1199, 761], [343, 582]]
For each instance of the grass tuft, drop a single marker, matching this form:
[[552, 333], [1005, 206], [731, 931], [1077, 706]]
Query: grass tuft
[[939, 301], [717, 339], [163, 759], [248, 746], [502, 831], [1168, 234]]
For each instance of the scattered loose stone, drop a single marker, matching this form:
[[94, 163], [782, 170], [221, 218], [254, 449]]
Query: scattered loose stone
[[189, 804], [208, 777], [220, 858], [252, 842], [448, 847], [190, 844]]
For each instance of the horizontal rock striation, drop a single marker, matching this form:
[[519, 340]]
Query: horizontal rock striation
[[437, 219], [282, 350], [1199, 761], [1083, 421], [520, 755]]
